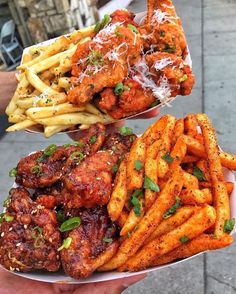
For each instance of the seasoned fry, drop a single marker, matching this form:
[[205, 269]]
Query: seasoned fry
[[42, 101], [228, 160], [190, 125], [178, 153], [133, 219], [170, 223], [162, 168], [199, 244], [42, 112], [203, 166], [148, 223], [196, 197], [65, 83], [122, 218], [81, 34], [151, 170], [137, 153], [190, 181], [189, 159], [178, 130], [201, 220], [119, 193], [229, 186]]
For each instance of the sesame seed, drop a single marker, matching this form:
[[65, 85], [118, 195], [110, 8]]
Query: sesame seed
[[109, 163], [10, 229], [18, 244], [2, 234], [17, 269], [25, 227], [98, 178], [50, 240], [12, 269]]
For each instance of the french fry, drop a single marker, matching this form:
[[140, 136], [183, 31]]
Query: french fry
[[15, 118], [133, 219], [177, 153], [35, 81], [51, 130], [64, 83], [137, 153], [189, 159], [203, 166], [199, 222], [122, 218], [228, 160], [190, 125], [52, 60], [170, 223], [81, 34], [201, 243], [42, 112], [42, 100], [71, 119], [148, 223], [229, 186], [154, 132], [196, 197], [60, 44], [21, 125], [119, 193], [178, 130], [211, 147], [92, 109], [151, 170], [190, 181], [162, 168]]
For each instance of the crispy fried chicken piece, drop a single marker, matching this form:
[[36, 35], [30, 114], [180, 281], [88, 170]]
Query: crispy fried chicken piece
[[91, 182], [164, 30], [123, 16], [93, 243], [103, 61], [174, 69], [38, 170], [29, 235]]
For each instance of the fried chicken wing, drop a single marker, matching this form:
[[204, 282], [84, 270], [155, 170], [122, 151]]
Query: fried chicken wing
[[93, 243], [29, 235], [104, 61]]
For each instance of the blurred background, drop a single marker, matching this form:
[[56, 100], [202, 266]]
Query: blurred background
[[210, 27]]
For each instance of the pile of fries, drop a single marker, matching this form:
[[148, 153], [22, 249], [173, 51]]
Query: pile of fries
[[170, 197], [40, 100]]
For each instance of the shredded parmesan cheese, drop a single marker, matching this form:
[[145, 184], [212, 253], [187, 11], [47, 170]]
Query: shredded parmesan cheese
[[162, 63], [161, 17]]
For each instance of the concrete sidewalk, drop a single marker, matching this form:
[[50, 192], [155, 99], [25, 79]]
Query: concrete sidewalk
[[210, 26]]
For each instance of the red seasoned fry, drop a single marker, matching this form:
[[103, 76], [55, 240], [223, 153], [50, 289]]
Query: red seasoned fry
[[190, 125], [196, 197], [178, 130]]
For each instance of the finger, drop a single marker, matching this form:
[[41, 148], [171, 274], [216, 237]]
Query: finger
[[66, 289], [110, 287]]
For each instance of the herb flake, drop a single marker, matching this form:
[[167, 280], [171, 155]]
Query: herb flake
[[149, 184], [168, 158], [172, 209], [198, 173]]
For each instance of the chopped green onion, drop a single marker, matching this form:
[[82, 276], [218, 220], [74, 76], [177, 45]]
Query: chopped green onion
[[60, 216], [8, 218], [66, 244], [184, 78], [95, 58], [119, 89], [107, 240], [13, 172], [50, 150], [117, 33], [133, 28], [7, 201], [184, 239], [134, 201], [77, 156], [92, 140], [149, 184], [170, 48], [162, 33], [36, 170], [115, 168], [168, 158], [126, 131], [79, 144], [138, 165], [229, 225], [172, 209], [198, 173], [155, 103], [70, 224], [101, 24]]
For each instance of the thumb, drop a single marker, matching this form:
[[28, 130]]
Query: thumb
[[109, 287]]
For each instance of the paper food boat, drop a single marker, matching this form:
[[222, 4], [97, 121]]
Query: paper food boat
[[149, 112]]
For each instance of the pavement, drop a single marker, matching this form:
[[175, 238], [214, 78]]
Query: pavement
[[210, 28]]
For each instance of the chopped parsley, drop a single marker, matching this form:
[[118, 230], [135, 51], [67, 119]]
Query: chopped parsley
[[168, 158], [133, 28], [60, 216], [170, 48], [184, 78], [173, 208], [138, 165], [101, 24], [47, 152], [66, 244], [155, 103], [134, 201], [149, 184], [92, 140], [117, 33], [198, 173], [119, 89], [126, 131], [229, 225], [95, 58], [75, 143], [13, 172], [184, 239], [162, 33]]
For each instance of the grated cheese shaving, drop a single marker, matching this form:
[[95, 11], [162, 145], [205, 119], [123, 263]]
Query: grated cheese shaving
[[162, 63], [161, 17]]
